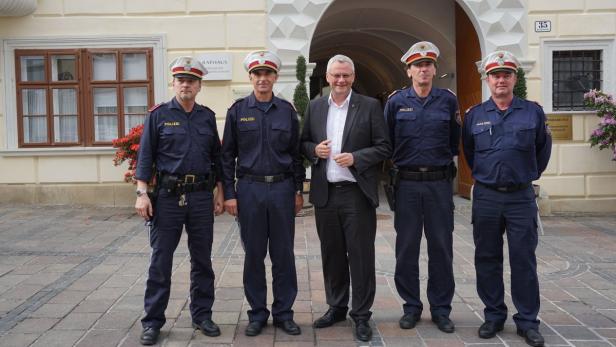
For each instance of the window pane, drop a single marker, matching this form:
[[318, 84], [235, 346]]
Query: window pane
[[35, 129], [135, 107], [32, 68], [131, 121], [65, 115], [574, 73], [105, 128], [136, 100], [105, 114], [104, 66], [34, 102], [134, 66], [63, 68], [34, 105]]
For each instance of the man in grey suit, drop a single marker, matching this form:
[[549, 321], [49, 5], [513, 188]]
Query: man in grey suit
[[345, 138]]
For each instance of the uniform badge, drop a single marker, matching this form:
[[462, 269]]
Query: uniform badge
[[500, 60], [406, 109]]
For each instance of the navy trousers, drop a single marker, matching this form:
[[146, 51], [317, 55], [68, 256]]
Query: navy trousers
[[516, 213], [267, 221], [169, 219], [425, 206]]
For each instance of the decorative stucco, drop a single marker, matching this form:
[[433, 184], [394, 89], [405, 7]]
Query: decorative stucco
[[500, 24]]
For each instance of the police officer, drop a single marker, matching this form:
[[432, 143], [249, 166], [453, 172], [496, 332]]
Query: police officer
[[423, 126], [507, 145], [181, 142], [261, 149]]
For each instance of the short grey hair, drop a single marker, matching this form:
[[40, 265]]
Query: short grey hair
[[341, 59]]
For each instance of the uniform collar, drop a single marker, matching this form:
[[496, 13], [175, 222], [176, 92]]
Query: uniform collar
[[412, 94], [252, 100], [175, 104], [515, 103]]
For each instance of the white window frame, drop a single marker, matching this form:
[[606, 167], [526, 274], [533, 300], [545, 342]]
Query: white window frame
[[608, 59], [7, 58]]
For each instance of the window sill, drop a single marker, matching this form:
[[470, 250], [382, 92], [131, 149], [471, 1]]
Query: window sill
[[47, 152], [571, 113]]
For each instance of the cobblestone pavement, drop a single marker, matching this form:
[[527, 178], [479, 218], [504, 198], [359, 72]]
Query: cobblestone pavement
[[75, 277]]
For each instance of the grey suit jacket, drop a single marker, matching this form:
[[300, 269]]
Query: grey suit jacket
[[365, 136]]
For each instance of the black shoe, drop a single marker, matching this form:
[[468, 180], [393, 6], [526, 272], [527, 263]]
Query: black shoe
[[288, 326], [208, 327], [363, 330], [149, 336], [254, 328], [329, 318], [489, 329], [444, 324], [409, 320], [532, 337]]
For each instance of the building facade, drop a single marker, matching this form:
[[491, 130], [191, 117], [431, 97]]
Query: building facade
[[75, 74]]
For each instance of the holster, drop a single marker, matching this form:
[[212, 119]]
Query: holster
[[153, 194], [453, 171], [390, 188]]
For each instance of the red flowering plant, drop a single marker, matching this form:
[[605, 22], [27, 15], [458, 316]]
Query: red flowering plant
[[605, 134], [127, 148]]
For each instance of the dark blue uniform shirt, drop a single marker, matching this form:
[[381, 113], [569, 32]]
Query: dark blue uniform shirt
[[423, 132], [265, 141], [178, 142], [506, 148]]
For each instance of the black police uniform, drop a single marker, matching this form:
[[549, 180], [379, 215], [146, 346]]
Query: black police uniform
[[264, 138], [180, 144], [506, 151], [425, 136]]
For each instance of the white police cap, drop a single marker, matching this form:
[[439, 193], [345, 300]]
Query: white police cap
[[422, 50]]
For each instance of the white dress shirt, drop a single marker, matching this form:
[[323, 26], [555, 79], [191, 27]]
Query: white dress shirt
[[336, 118]]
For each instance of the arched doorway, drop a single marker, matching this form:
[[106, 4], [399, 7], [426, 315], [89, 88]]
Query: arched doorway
[[376, 34]]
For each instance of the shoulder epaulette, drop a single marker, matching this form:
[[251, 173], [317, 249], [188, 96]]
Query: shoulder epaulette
[[236, 101], [470, 108], [395, 92], [451, 91], [208, 109], [288, 102], [535, 102], [155, 107]]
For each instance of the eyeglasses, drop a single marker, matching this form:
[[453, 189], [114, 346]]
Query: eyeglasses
[[341, 75]]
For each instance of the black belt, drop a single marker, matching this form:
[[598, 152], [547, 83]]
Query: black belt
[[267, 179], [507, 189], [341, 184], [424, 175], [188, 183], [424, 168]]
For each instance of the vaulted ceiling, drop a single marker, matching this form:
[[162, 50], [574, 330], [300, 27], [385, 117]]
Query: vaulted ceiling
[[375, 34]]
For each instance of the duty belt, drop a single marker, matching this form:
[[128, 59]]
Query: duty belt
[[180, 184], [507, 189], [428, 173], [267, 179]]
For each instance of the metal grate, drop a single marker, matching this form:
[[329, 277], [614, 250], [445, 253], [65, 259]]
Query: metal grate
[[573, 74]]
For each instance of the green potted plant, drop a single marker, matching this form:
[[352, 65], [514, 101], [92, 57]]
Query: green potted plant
[[519, 89], [300, 101]]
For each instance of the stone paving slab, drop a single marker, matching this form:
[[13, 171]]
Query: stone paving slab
[[75, 277]]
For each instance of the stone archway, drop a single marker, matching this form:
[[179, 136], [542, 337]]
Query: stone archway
[[292, 23]]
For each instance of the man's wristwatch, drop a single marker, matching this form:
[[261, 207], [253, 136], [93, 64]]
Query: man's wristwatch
[[141, 192]]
